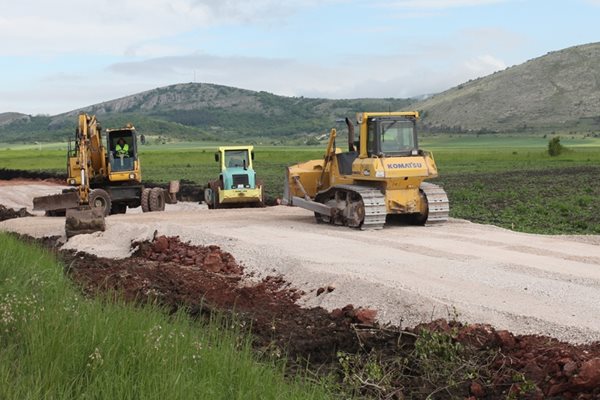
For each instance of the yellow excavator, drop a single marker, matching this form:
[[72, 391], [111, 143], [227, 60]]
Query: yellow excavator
[[381, 174], [105, 179]]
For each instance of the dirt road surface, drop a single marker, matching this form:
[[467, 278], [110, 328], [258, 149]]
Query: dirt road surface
[[477, 273]]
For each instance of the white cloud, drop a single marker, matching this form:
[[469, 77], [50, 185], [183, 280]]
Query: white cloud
[[438, 4], [147, 28], [484, 64], [413, 70], [401, 75], [113, 26]]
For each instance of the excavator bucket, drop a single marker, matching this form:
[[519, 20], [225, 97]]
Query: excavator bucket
[[56, 202], [84, 220]]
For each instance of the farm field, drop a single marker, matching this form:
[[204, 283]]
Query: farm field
[[507, 181]]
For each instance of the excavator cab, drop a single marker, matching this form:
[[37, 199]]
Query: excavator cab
[[122, 149]]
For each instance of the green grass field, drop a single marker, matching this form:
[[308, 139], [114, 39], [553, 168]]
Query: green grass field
[[57, 344], [508, 181]]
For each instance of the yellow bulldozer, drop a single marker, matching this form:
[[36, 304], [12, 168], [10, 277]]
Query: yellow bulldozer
[[381, 174], [105, 179]]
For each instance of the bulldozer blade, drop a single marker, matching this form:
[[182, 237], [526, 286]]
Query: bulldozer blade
[[84, 220], [56, 201]]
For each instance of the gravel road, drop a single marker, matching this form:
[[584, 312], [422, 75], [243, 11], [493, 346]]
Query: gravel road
[[476, 273]]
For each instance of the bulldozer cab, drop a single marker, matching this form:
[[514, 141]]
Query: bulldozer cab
[[122, 149], [391, 136]]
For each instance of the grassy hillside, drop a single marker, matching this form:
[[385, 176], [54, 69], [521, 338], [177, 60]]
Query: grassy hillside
[[200, 111], [559, 91]]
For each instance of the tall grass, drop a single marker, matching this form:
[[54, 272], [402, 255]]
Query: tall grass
[[56, 344]]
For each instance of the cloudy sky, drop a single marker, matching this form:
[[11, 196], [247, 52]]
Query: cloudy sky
[[59, 55]]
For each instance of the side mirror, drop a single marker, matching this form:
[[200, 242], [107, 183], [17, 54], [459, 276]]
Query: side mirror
[[252, 155], [217, 157]]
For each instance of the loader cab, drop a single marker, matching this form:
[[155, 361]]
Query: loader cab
[[391, 136], [122, 149]]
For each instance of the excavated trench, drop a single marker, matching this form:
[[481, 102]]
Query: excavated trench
[[345, 342]]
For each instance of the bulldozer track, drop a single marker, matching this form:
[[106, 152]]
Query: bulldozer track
[[374, 205], [439, 205]]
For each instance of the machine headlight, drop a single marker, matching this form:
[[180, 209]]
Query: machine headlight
[[71, 181], [132, 176]]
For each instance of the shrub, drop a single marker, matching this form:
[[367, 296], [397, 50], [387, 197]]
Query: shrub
[[554, 147]]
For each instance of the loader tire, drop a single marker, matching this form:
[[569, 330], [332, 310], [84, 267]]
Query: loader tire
[[215, 186], [145, 200], [99, 198], [157, 199], [208, 197]]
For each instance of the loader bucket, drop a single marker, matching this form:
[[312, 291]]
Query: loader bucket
[[56, 201], [84, 220]]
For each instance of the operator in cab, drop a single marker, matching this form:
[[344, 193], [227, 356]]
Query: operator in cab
[[122, 148]]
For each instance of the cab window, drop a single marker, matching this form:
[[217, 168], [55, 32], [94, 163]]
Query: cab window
[[236, 159], [397, 137], [371, 137]]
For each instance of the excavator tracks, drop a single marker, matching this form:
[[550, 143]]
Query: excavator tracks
[[437, 199]]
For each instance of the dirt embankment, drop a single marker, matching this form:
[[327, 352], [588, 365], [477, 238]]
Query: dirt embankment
[[9, 213], [17, 174], [489, 364]]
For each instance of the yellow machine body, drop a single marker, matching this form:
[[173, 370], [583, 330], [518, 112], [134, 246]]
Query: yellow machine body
[[392, 173], [102, 164], [237, 184], [104, 176]]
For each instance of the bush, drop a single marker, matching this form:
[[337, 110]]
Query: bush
[[554, 147]]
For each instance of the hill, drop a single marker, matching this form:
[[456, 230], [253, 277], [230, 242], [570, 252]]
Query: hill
[[8, 118], [558, 91], [201, 111]]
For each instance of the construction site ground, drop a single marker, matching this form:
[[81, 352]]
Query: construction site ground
[[297, 279]]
